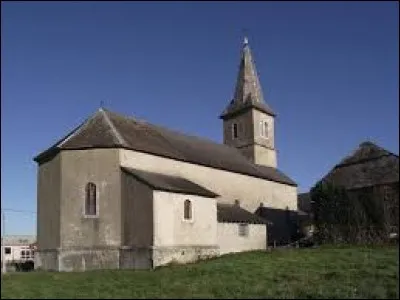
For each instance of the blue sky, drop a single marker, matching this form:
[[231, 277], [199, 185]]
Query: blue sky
[[329, 69]]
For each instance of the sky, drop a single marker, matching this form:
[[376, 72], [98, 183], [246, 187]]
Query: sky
[[330, 70]]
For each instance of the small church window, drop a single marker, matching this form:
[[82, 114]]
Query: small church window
[[187, 213], [243, 229], [91, 200], [235, 130]]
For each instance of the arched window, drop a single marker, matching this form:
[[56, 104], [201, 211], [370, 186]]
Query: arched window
[[187, 213], [90, 200]]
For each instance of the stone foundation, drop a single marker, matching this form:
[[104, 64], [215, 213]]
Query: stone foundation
[[81, 259], [46, 260], [182, 254], [77, 259], [88, 259], [135, 258]]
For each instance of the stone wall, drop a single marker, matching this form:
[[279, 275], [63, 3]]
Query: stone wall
[[48, 204], [83, 259], [182, 254], [137, 212], [79, 167], [245, 130], [260, 150], [229, 240], [46, 260], [268, 142], [136, 258]]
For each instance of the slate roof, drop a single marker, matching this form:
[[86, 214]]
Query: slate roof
[[277, 216], [248, 92], [169, 183], [367, 166], [107, 129], [235, 108], [228, 213]]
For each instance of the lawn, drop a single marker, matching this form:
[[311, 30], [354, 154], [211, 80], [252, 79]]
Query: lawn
[[327, 272]]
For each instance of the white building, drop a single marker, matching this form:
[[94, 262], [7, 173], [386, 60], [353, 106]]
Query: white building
[[17, 248]]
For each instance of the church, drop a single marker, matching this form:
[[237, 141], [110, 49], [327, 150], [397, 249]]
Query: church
[[121, 193]]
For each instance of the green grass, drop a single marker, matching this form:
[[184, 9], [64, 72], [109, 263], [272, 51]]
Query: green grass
[[327, 272]]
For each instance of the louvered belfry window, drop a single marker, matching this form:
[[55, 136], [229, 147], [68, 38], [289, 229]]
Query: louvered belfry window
[[91, 199]]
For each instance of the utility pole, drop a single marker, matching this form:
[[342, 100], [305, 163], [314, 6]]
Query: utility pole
[[3, 257]]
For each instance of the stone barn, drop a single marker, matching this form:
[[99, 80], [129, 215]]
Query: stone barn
[[369, 171]]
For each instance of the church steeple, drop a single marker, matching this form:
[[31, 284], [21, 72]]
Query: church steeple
[[248, 92], [248, 120]]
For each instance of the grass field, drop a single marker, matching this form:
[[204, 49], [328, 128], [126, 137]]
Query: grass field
[[328, 272]]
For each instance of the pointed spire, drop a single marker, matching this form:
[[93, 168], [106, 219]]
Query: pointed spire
[[248, 86], [245, 41], [248, 91]]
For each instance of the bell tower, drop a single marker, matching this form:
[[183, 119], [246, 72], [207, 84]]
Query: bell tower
[[248, 121]]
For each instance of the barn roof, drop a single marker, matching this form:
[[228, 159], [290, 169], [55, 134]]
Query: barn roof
[[106, 129], [232, 213], [169, 183], [368, 165]]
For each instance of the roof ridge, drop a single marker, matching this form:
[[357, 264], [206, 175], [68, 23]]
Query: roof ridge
[[75, 131], [66, 137], [352, 159], [364, 160], [114, 129], [145, 123]]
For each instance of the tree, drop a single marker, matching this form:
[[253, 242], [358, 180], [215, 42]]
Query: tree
[[343, 216]]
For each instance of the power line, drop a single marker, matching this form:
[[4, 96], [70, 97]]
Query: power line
[[16, 210]]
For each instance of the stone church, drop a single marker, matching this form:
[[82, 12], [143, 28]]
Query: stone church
[[118, 192]]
